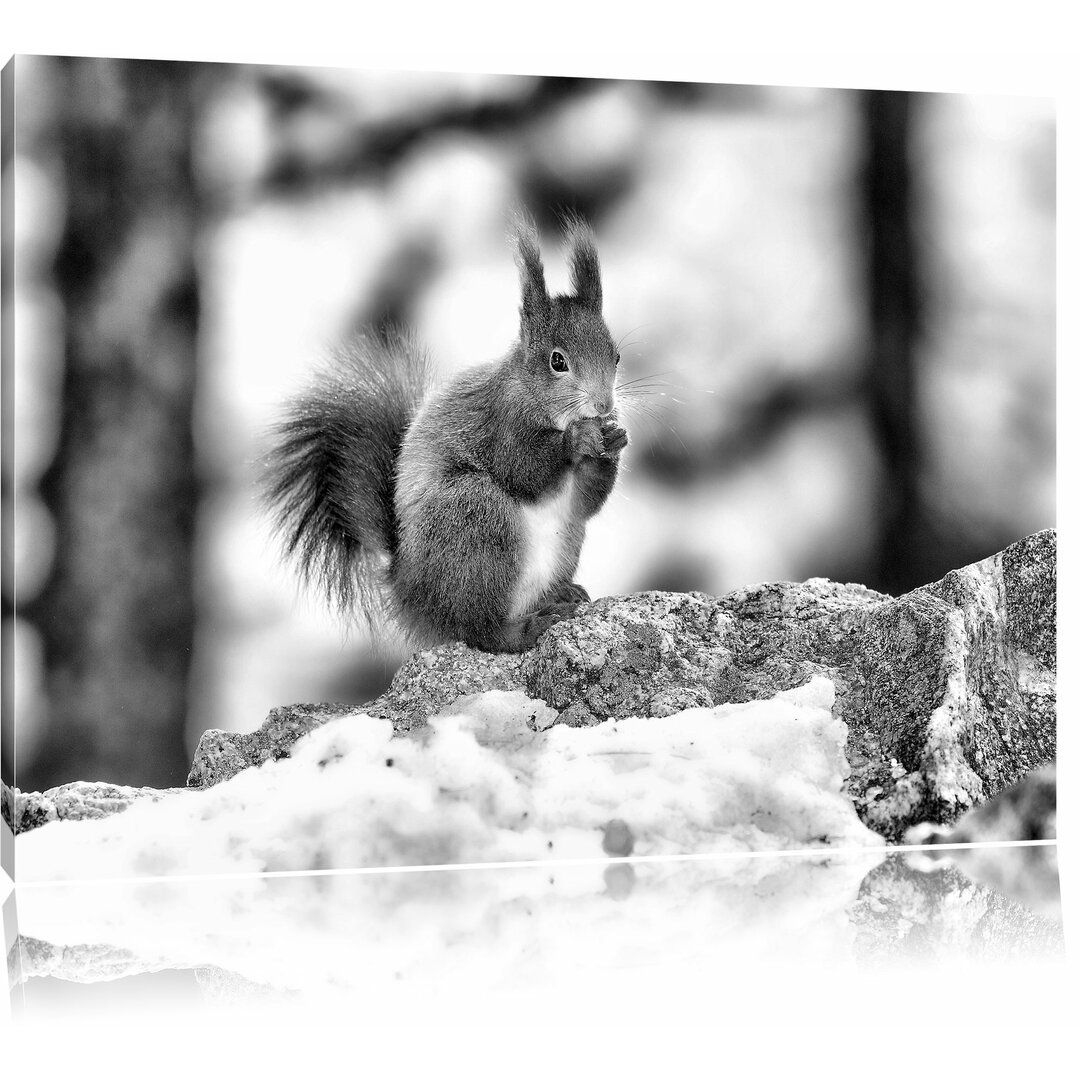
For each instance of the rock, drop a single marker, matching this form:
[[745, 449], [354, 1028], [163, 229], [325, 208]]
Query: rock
[[957, 687], [221, 754], [426, 683], [72, 802], [948, 691], [1023, 811]]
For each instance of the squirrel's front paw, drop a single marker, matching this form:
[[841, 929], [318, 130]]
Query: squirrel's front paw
[[615, 437], [585, 438]]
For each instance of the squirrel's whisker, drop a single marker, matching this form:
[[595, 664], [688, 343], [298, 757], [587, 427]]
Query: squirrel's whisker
[[632, 330]]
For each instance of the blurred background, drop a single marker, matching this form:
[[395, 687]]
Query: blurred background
[[843, 301]]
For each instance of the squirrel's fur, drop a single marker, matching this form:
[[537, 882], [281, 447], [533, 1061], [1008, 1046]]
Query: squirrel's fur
[[461, 509]]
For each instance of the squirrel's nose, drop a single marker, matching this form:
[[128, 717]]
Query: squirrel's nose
[[603, 406]]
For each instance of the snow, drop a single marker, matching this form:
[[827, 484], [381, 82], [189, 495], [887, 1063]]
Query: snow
[[491, 781]]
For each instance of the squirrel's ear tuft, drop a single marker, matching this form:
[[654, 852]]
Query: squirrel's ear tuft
[[535, 303], [584, 263]]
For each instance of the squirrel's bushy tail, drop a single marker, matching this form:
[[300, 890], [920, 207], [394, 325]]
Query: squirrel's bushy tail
[[329, 481]]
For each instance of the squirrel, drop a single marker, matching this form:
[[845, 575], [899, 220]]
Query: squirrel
[[461, 510]]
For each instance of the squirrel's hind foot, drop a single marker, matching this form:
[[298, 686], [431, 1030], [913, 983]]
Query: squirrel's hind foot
[[569, 592], [517, 635], [559, 611], [538, 622]]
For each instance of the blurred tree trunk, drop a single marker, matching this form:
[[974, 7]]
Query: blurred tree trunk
[[117, 613], [894, 319]]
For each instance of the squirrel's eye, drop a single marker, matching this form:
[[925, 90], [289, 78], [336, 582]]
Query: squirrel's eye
[[558, 361]]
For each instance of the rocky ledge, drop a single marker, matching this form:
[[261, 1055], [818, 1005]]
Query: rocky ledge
[[948, 691]]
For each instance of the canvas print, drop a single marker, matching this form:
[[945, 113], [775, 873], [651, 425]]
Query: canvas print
[[554, 477]]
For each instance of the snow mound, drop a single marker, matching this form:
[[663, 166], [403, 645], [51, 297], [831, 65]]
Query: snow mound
[[492, 781]]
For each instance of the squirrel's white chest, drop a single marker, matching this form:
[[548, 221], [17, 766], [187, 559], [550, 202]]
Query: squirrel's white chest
[[546, 544]]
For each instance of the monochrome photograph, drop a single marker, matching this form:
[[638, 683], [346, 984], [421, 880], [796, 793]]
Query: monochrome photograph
[[468, 532]]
